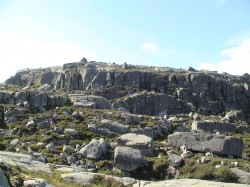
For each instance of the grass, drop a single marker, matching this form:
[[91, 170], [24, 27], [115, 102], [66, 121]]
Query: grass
[[157, 166], [207, 171]]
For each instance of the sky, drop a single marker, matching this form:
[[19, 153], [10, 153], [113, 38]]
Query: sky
[[204, 34]]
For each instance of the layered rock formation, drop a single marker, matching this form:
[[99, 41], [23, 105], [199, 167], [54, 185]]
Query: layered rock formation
[[168, 90]]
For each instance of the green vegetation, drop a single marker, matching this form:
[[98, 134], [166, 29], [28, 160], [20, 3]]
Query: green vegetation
[[158, 165], [207, 171]]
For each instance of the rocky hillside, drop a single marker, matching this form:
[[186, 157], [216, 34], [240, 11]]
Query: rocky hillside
[[100, 124]]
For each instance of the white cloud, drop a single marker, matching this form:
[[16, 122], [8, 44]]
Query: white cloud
[[18, 51], [150, 48], [237, 60], [220, 3]]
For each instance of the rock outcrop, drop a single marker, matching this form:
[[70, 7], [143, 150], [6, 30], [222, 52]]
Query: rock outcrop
[[166, 90], [35, 99]]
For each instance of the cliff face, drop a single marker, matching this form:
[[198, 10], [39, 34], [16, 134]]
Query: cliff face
[[146, 90]]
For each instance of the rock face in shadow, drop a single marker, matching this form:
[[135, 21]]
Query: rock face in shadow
[[3, 179], [218, 144]]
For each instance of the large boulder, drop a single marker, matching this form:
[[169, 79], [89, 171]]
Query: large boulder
[[210, 126], [137, 141], [128, 159], [95, 149], [224, 145]]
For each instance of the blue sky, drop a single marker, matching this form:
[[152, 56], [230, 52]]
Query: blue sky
[[204, 34]]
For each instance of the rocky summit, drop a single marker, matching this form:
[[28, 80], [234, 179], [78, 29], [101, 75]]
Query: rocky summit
[[104, 124]]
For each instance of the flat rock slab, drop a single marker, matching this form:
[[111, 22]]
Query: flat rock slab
[[186, 183], [218, 144], [79, 178], [24, 160]]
